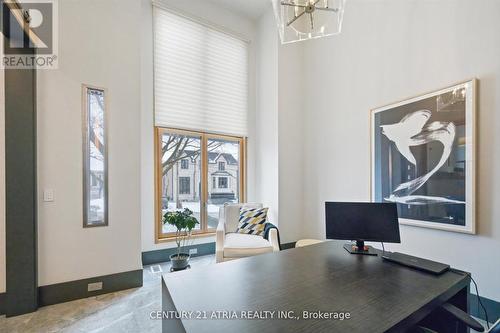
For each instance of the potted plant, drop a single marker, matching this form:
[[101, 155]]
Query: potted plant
[[184, 222]]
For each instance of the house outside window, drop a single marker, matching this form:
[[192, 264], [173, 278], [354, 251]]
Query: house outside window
[[184, 185], [185, 164], [222, 166]]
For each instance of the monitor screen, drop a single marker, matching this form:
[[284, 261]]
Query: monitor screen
[[377, 222]]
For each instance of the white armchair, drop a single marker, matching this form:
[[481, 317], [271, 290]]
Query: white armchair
[[230, 245]]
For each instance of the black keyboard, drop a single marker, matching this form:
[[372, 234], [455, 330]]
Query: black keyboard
[[415, 262]]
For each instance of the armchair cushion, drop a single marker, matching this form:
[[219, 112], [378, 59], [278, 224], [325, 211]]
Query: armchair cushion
[[232, 214], [243, 245], [252, 221]]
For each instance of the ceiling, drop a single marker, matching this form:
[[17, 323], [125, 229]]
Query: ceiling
[[251, 9]]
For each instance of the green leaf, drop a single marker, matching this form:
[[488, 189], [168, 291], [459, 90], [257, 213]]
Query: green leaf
[[183, 221]]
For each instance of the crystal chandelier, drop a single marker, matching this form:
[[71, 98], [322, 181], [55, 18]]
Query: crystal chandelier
[[306, 19]]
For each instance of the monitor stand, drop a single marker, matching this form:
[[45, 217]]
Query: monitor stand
[[360, 248]]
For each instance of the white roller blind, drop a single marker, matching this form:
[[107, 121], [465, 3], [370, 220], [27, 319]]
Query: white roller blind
[[201, 76]]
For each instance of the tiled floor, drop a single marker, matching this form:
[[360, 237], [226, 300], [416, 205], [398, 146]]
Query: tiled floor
[[124, 311]]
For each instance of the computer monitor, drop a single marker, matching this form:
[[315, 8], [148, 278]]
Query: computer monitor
[[362, 221]]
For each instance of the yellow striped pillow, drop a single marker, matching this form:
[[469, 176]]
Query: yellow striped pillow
[[252, 221]]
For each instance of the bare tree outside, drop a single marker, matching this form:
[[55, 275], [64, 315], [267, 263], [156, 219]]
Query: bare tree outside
[[95, 158], [182, 177], [175, 148]]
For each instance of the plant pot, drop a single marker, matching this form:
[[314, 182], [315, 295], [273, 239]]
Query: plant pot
[[179, 262]]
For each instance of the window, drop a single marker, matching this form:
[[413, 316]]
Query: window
[[185, 164], [184, 185], [231, 179], [176, 190], [201, 83], [95, 164], [222, 182]]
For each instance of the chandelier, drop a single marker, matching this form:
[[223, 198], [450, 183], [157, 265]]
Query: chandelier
[[306, 19]]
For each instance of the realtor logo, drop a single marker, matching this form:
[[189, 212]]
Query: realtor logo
[[30, 28]]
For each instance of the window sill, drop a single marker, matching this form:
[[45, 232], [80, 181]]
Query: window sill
[[195, 236]]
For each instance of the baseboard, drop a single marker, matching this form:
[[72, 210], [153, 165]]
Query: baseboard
[[70, 291], [2, 303], [492, 307], [157, 256], [287, 246]]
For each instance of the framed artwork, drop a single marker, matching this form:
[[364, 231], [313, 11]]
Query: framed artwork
[[423, 158]]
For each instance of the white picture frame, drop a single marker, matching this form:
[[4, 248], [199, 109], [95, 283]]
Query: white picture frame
[[440, 128]]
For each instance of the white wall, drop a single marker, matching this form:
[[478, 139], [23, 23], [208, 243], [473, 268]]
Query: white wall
[[279, 128], [389, 50], [2, 182], [266, 116], [221, 17], [291, 141], [147, 132], [99, 45]]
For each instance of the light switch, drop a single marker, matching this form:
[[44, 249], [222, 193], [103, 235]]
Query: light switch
[[48, 195]]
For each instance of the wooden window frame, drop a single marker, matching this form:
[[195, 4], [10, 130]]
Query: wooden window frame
[[204, 231]]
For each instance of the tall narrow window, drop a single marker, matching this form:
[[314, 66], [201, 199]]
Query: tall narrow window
[[95, 168]]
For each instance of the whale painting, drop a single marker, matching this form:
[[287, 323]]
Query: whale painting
[[423, 158]]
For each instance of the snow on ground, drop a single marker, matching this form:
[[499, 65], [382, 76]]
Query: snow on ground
[[194, 206]]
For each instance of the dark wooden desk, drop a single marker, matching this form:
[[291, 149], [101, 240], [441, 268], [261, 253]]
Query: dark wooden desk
[[380, 296]]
